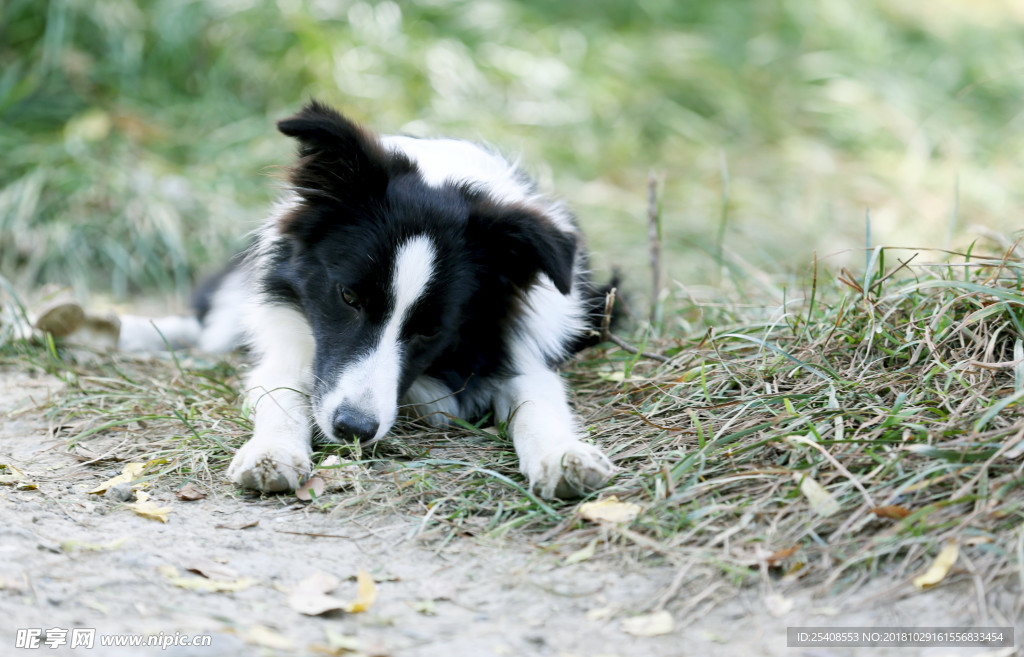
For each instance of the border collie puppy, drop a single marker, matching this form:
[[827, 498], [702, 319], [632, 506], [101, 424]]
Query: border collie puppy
[[421, 275]]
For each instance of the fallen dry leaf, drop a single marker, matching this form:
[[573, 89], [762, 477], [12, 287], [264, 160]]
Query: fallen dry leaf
[[366, 592], [820, 499], [99, 333], [311, 597], [211, 569], [940, 567], [129, 474], [656, 624], [148, 509], [337, 476], [70, 546], [314, 487], [261, 635], [203, 584], [189, 493], [11, 475], [891, 511], [610, 509], [342, 643], [582, 554], [781, 555], [778, 605], [60, 318]]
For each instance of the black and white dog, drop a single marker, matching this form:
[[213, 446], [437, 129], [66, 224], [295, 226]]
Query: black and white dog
[[421, 275]]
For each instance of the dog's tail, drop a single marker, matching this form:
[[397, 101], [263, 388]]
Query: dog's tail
[[604, 310]]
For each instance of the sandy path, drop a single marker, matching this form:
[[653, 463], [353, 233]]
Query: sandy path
[[470, 597]]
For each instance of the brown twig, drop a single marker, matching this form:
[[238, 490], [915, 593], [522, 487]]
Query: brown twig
[[608, 336], [625, 346]]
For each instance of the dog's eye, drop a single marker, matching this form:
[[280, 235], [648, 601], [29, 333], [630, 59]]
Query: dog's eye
[[349, 297], [428, 336]]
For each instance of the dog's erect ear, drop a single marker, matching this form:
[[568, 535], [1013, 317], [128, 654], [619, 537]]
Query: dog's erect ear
[[339, 160], [519, 243]]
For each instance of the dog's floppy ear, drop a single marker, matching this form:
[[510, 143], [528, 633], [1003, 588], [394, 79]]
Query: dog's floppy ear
[[519, 242], [339, 160]]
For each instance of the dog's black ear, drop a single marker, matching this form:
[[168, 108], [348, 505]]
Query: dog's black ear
[[519, 243], [339, 160]]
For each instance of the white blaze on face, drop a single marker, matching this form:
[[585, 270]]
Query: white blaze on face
[[370, 384]]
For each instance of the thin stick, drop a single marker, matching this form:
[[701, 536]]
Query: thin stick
[[723, 216], [622, 344], [654, 243], [608, 336]]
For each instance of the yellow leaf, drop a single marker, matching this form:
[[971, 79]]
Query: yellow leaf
[[11, 475], [68, 546], [311, 597], [129, 474], [582, 554], [656, 624], [940, 567], [148, 509], [366, 593], [821, 500], [609, 509], [261, 635], [204, 584]]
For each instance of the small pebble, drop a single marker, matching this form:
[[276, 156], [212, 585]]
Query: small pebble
[[121, 493]]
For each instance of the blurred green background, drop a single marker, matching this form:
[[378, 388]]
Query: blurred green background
[[137, 145]]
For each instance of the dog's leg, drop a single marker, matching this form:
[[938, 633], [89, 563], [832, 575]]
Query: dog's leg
[[546, 437], [277, 456], [146, 335]]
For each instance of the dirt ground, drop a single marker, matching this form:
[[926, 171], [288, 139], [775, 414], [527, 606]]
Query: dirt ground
[[468, 598]]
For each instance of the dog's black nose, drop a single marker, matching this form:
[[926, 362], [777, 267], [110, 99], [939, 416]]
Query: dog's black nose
[[350, 424]]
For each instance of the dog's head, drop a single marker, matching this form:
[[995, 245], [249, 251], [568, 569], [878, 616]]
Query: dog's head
[[394, 274]]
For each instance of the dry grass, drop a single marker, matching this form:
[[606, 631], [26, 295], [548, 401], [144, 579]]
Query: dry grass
[[897, 390]]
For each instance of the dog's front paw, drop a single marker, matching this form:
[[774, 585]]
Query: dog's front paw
[[271, 469], [570, 473]]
